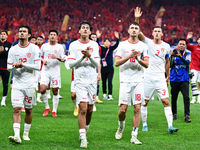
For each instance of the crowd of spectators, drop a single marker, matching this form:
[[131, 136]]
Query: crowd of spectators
[[180, 17]]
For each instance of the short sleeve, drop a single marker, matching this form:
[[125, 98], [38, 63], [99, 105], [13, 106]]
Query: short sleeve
[[72, 51], [120, 51], [145, 52]]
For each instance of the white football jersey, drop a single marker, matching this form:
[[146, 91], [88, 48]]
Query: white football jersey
[[23, 77], [131, 70], [85, 72], [53, 65], [157, 54]]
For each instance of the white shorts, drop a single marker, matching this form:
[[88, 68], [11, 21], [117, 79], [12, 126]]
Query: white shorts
[[54, 81], [24, 97], [155, 84], [196, 76], [131, 89], [86, 93], [72, 87]]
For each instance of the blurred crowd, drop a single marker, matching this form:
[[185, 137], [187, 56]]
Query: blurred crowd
[[180, 17]]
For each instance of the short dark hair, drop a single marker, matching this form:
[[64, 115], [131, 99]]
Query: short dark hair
[[4, 31], [198, 38], [91, 35], [40, 36], [157, 27], [53, 30], [182, 39], [27, 27], [33, 37], [134, 23], [85, 22], [107, 39]]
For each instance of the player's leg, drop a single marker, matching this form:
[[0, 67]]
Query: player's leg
[[194, 89], [138, 98], [48, 90], [110, 78], [104, 78], [175, 88], [88, 116], [82, 123], [43, 86], [164, 96], [5, 78], [17, 98], [186, 99], [39, 91], [198, 80], [97, 95], [55, 101], [124, 102]]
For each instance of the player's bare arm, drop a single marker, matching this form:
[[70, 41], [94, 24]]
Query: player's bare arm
[[167, 65], [189, 35], [44, 61]]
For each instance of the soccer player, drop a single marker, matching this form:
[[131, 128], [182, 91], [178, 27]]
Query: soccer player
[[33, 40], [128, 57], [23, 59], [195, 67], [154, 79], [4, 73], [53, 53], [84, 58], [40, 41]]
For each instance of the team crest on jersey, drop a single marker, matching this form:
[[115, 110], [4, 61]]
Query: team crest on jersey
[[91, 50], [55, 51], [6, 48], [162, 49], [28, 55]]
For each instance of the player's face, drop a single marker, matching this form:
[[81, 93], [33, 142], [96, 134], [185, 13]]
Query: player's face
[[107, 43], [33, 40], [39, 41], [85, 30], [4, 36], [134, 30], [23, 33], [53, 37], [157, 33], [181, 45], [94, 37]]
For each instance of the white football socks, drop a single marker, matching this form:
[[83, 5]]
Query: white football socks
[[144, 115], [45, 101], [16, 128], [55, 102], [168, 114]]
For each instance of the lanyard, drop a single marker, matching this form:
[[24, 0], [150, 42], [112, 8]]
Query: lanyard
[[106, 53]]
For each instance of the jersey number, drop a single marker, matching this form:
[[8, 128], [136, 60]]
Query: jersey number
[[157, 53], [28, 99], [49, 56], [132, 59], [137, 97], [163, 92], [23, 60], [86, 58]]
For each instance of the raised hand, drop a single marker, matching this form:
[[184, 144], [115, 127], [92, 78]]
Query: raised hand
[[98, 33], [116, 34], [138, 12], [190, 35]]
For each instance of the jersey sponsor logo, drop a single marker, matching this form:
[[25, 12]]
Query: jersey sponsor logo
[[126, 51], [79, 49], [162, 49], [125, 101], [28, 55], [16, 55], [55, 51]]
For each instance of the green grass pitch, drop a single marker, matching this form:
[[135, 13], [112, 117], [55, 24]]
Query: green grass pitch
[[62, 133]]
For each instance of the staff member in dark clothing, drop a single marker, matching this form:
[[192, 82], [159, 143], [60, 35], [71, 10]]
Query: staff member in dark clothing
[[4, 49], [107, 70], [179, 78]]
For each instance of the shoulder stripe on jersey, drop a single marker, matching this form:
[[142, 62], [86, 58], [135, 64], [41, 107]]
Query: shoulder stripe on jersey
[[146, 56], [37, 60], [71, 58], [118, 56]]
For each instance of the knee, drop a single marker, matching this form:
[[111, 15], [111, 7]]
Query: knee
[[122, 110], [42, 90], [137, 110], [166, 102], [28, 111], [83, 111], [17, 110], [73, 95]]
